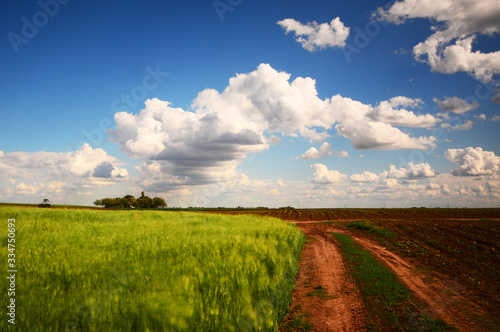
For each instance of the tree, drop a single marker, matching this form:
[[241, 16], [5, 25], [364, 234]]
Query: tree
[[144, 202], [158, 201], [131, 201], [127, 201], [124, 202]]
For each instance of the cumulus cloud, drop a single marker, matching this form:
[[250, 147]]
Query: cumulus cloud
[[208, 142], [381, 136], [388, 178], [391, 111], [51, 173], [455, 105], [322, 175], [39, 165], [325, 150], [496, 118], [473, 161], [314, 36], [414, 185], [392, 177], [87, 162], [365, 177], [467, 125], [449, 49], [412, 172], [357, 124]]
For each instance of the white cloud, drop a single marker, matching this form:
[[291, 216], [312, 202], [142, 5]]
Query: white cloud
[[265, 100], [415, 185], [208, 142], [314, 36], [480, 116], [394, 177], [389, 111], [496, 118], [58, 174], [473, 161], [40, 165], [381, 136], [335, 190], [87, 162], [325, 150], [391, 177], [322, 175], [467, 125], [418, 171], [449, 49], [455, 105], [366, 133], [365, 177]]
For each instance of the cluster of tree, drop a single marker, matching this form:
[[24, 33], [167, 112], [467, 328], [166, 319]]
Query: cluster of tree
[[130, 201]]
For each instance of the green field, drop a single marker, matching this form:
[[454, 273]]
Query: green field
[[88, 270]]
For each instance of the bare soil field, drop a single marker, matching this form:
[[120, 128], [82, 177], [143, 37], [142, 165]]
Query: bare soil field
[[368, 214], [442, 282], [450, 260]]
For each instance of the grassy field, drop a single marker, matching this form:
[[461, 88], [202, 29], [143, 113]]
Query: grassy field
[[86, 270]]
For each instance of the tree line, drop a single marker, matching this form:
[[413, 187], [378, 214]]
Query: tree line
[[130, 201]]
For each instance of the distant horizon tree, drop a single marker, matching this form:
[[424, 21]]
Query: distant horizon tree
[[129, 201]]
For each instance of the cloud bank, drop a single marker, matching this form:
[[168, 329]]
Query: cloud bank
[[51, 174]]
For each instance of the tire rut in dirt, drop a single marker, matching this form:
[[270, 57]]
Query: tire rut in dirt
[[344, 311], [442, 296]]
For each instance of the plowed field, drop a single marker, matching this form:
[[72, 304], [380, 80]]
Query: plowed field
[[448, 258], [367, 214]]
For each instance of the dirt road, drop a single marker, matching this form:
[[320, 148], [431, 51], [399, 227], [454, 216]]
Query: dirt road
[[342, 309]]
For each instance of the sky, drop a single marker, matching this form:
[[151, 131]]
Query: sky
[[251, 103]]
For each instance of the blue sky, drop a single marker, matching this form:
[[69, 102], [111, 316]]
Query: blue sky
[[219, 103]]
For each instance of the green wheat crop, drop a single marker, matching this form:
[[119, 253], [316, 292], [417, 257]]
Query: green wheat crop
[[87, 270]]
